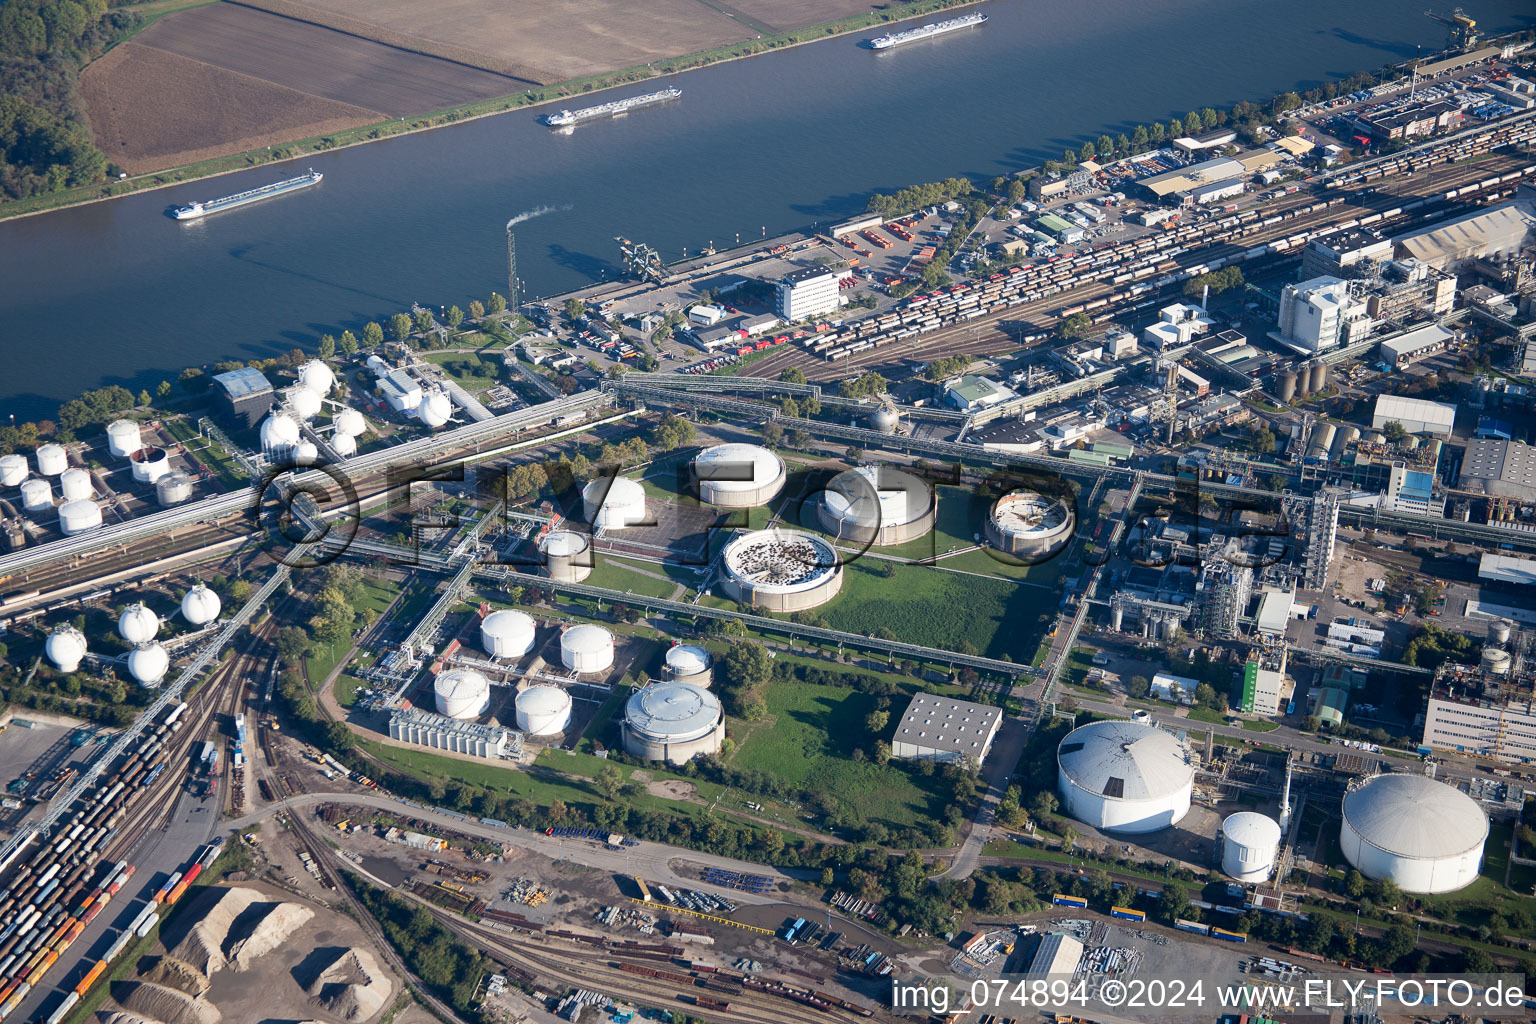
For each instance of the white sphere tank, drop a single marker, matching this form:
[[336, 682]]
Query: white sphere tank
[[36, 494], [52, 459], [279, 432], [137, 624], [76, 517], [687, 663], [586, 648], [148, 664], [543, 710], [344, 444], [1122, 776], [377, 365], [13, 470], [1250, 845], [567, 555], [302, 402], [349, 421], [305, 454], [124, 438], [1422, 834], [317, 377], [150, 464], [65, 648], [201, 605], [462, 693], [738, 475], [507, 634], [613, 502], [435, 409], [75, 484]]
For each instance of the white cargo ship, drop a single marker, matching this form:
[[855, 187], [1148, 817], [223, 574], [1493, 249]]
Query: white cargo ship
[[927, 31], [618, 108], [255, 195]]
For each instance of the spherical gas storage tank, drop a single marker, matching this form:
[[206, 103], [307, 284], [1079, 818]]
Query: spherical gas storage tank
[[613, 502], [137, 624], [462, 693], [124, 438], [317, 377], [65, 648], [1250, 844], [344, 444], [687, 663], [877, 505], [200, 605], [673, 722], [13, 470], [435, 410], [52, 459], [36, 494], [507, 633], [1125, 777], [781, 570], [543, 710], [1028, 524], [75, 484], [173, 488], [148, 665], [150, 464], [1425, 836], [279, 432], [305, 453], [349, 421], [567, 555], [586, 648], [737, 475], [302, 402], [79, 516]]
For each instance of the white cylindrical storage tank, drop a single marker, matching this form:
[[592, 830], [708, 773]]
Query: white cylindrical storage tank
[[279, 432], [613, 502], [124, 438], [1123, 776], [1424, 835], [1029, 524], [201, 605], [36, 494], [1250, 846], [75, 484], [78, 516], [349, 421], [877, 505], [1499, 631], [781, 570], [65, 648], [148, 664], [543, 710], [173, 488], [344, 444], [507, 634], [673, 722], [13, 470], [435, 409], [737, 475], [137, 624], [462, 693], [52, 459], [1495, 661], [567, 556], [586, 648], [150, 464], [688, 663], [302, 402], [317, 377]]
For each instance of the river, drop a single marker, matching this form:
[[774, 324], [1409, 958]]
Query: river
[[117, 292]]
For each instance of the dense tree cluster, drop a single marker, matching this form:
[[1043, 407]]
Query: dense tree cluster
[[865, 385], [672, 432], [915, 197], [450, 967], [1217, 281], [94, 407]]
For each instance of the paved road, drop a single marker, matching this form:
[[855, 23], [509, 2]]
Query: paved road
[[1003, 758]]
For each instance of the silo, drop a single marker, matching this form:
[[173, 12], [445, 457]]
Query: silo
[[1499, 631], [1250, 844], [150, 464], [36, 495], [1287, 387], [52, 459], [75, 484], [507, 634], [543, 710], [1341, 440], [123, 438], [462, 693], [173, 488], [1376, 437], [13, 470], [567, 556], [79, 516], [586, 648], [1117, 617], [65, 648], [1303, 382], [1322, 442], [1319, 376]]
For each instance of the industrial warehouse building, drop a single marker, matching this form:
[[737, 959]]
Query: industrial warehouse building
[[1320, 314], [1504, 469], [973, 392], [1056, 956], [245, 394], [412, 725], [1184, 179], [1498, 229], [945, 729], [1416, 415], [1507, 569], [1411, 346]]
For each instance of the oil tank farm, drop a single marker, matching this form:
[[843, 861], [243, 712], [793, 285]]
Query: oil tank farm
[[567, 555], [462, 693], [77, 517], [673, 722], [877, 505], [543, 710], [737, 475], [52, 459], [687, 663], [1250, 846], [173, 488], [13, 470], [507, 633], [586, 648], [613, 502], [1122, 776], [1029, 524], [1422, 834], [781, 570]]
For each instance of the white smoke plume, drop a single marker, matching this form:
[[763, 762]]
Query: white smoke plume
[[537, 211]]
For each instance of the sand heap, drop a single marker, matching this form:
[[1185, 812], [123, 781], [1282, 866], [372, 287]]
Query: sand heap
[[351, 986], [119, 1017], [162, 1003], [238, 928], [178, 974]]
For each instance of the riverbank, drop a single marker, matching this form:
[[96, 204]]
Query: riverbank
[[396, 128]]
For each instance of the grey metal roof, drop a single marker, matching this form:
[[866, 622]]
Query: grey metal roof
[[243, 382], [1125, 760], [1414, 816], [943, 723], [676, 710]]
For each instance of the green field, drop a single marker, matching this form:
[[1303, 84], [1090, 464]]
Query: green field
[[638, 577], [206, 453], [461, 366], [808, 740]]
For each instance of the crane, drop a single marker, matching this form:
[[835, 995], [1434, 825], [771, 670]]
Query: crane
[[1461, 28], [641, 261]]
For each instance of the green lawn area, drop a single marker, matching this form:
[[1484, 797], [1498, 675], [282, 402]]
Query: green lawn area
[[1079, 663], [808, 740], [377, 595], [1262, 725], [1213, 717], [633, 576], [206, 453], [469, 370]]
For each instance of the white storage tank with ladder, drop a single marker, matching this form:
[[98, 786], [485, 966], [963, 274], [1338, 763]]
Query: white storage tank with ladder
[[1250, 846], [543, 710]]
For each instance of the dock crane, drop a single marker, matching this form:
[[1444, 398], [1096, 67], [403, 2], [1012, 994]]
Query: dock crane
[[641, 261], [1461, 28]]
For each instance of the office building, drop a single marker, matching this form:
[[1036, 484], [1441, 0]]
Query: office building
[[807, 292], [1177, 324], [1501, 731]]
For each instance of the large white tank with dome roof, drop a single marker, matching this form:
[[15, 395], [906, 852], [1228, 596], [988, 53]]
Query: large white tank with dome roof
[[673, 722], [737, 475], [688, 663], [124, 438], [462, 693], [36, 494], [1121, 776], [543, 710], [877, 505], [1250, 846], [1422, 834], [586, 648], [507, 633], [613, 502], [79, 516], [75, 485], [13, 470], [52, 459]]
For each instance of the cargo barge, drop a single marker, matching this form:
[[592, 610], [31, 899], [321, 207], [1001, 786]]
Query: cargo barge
[[618, 108], [194, 210], [927, 31]]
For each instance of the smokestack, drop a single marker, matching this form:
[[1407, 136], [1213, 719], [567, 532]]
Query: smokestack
[[513, 298], [1285, 797], [1205, 297]]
